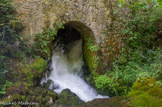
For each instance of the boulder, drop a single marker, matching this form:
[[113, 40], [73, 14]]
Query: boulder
[[107, 102], [68, 99]]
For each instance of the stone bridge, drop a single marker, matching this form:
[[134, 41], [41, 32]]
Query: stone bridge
[[93, 18]]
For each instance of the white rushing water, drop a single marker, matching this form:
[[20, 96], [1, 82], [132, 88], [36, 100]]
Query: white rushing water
[[67, 72]]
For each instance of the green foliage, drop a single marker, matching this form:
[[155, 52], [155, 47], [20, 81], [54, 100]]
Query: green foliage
[[91, 47], [3, 70], [138, 67], [43, 41], [140, 24], [120, 81], [4, 85], [104, 83], [138, 58], [10, 26], [101, 81]]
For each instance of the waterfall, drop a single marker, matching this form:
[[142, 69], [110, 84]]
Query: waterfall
[[67, 72]]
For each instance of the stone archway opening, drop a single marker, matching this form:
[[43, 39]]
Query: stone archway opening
[[72, 61], [75, 30]]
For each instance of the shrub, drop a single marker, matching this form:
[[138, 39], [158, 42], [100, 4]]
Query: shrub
[[120, 81], [101, 81], [139, 57], [43, 41], [140, 23], [10, 26]]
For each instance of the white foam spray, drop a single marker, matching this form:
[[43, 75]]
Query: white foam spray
[[67, 72]]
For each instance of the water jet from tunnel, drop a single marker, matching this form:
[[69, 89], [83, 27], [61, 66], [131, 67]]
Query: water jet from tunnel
[[67, 66]]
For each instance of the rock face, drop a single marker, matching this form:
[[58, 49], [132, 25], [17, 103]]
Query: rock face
[[97, 17]]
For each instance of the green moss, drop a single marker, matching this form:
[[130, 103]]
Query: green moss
[[29, 75], [38, 66], [16, 97], [89, 56], [146, 100], [19, 87], [35, 70], [145, 93], [89, 47]]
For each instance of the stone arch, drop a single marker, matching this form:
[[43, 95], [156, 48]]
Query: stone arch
[[97, 15], [79, 30]]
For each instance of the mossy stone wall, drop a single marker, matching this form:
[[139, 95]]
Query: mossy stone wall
[[96, 15]]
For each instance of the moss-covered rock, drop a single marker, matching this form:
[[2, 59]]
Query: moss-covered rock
[[146, 93], [41, 96], [47, 85], [38, 65], [18, 87], [67, 98], [107, 102]]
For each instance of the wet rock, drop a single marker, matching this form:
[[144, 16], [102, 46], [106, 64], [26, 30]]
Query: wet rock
[[50, 85], [50, 101], [47, 84], [68, 99]]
